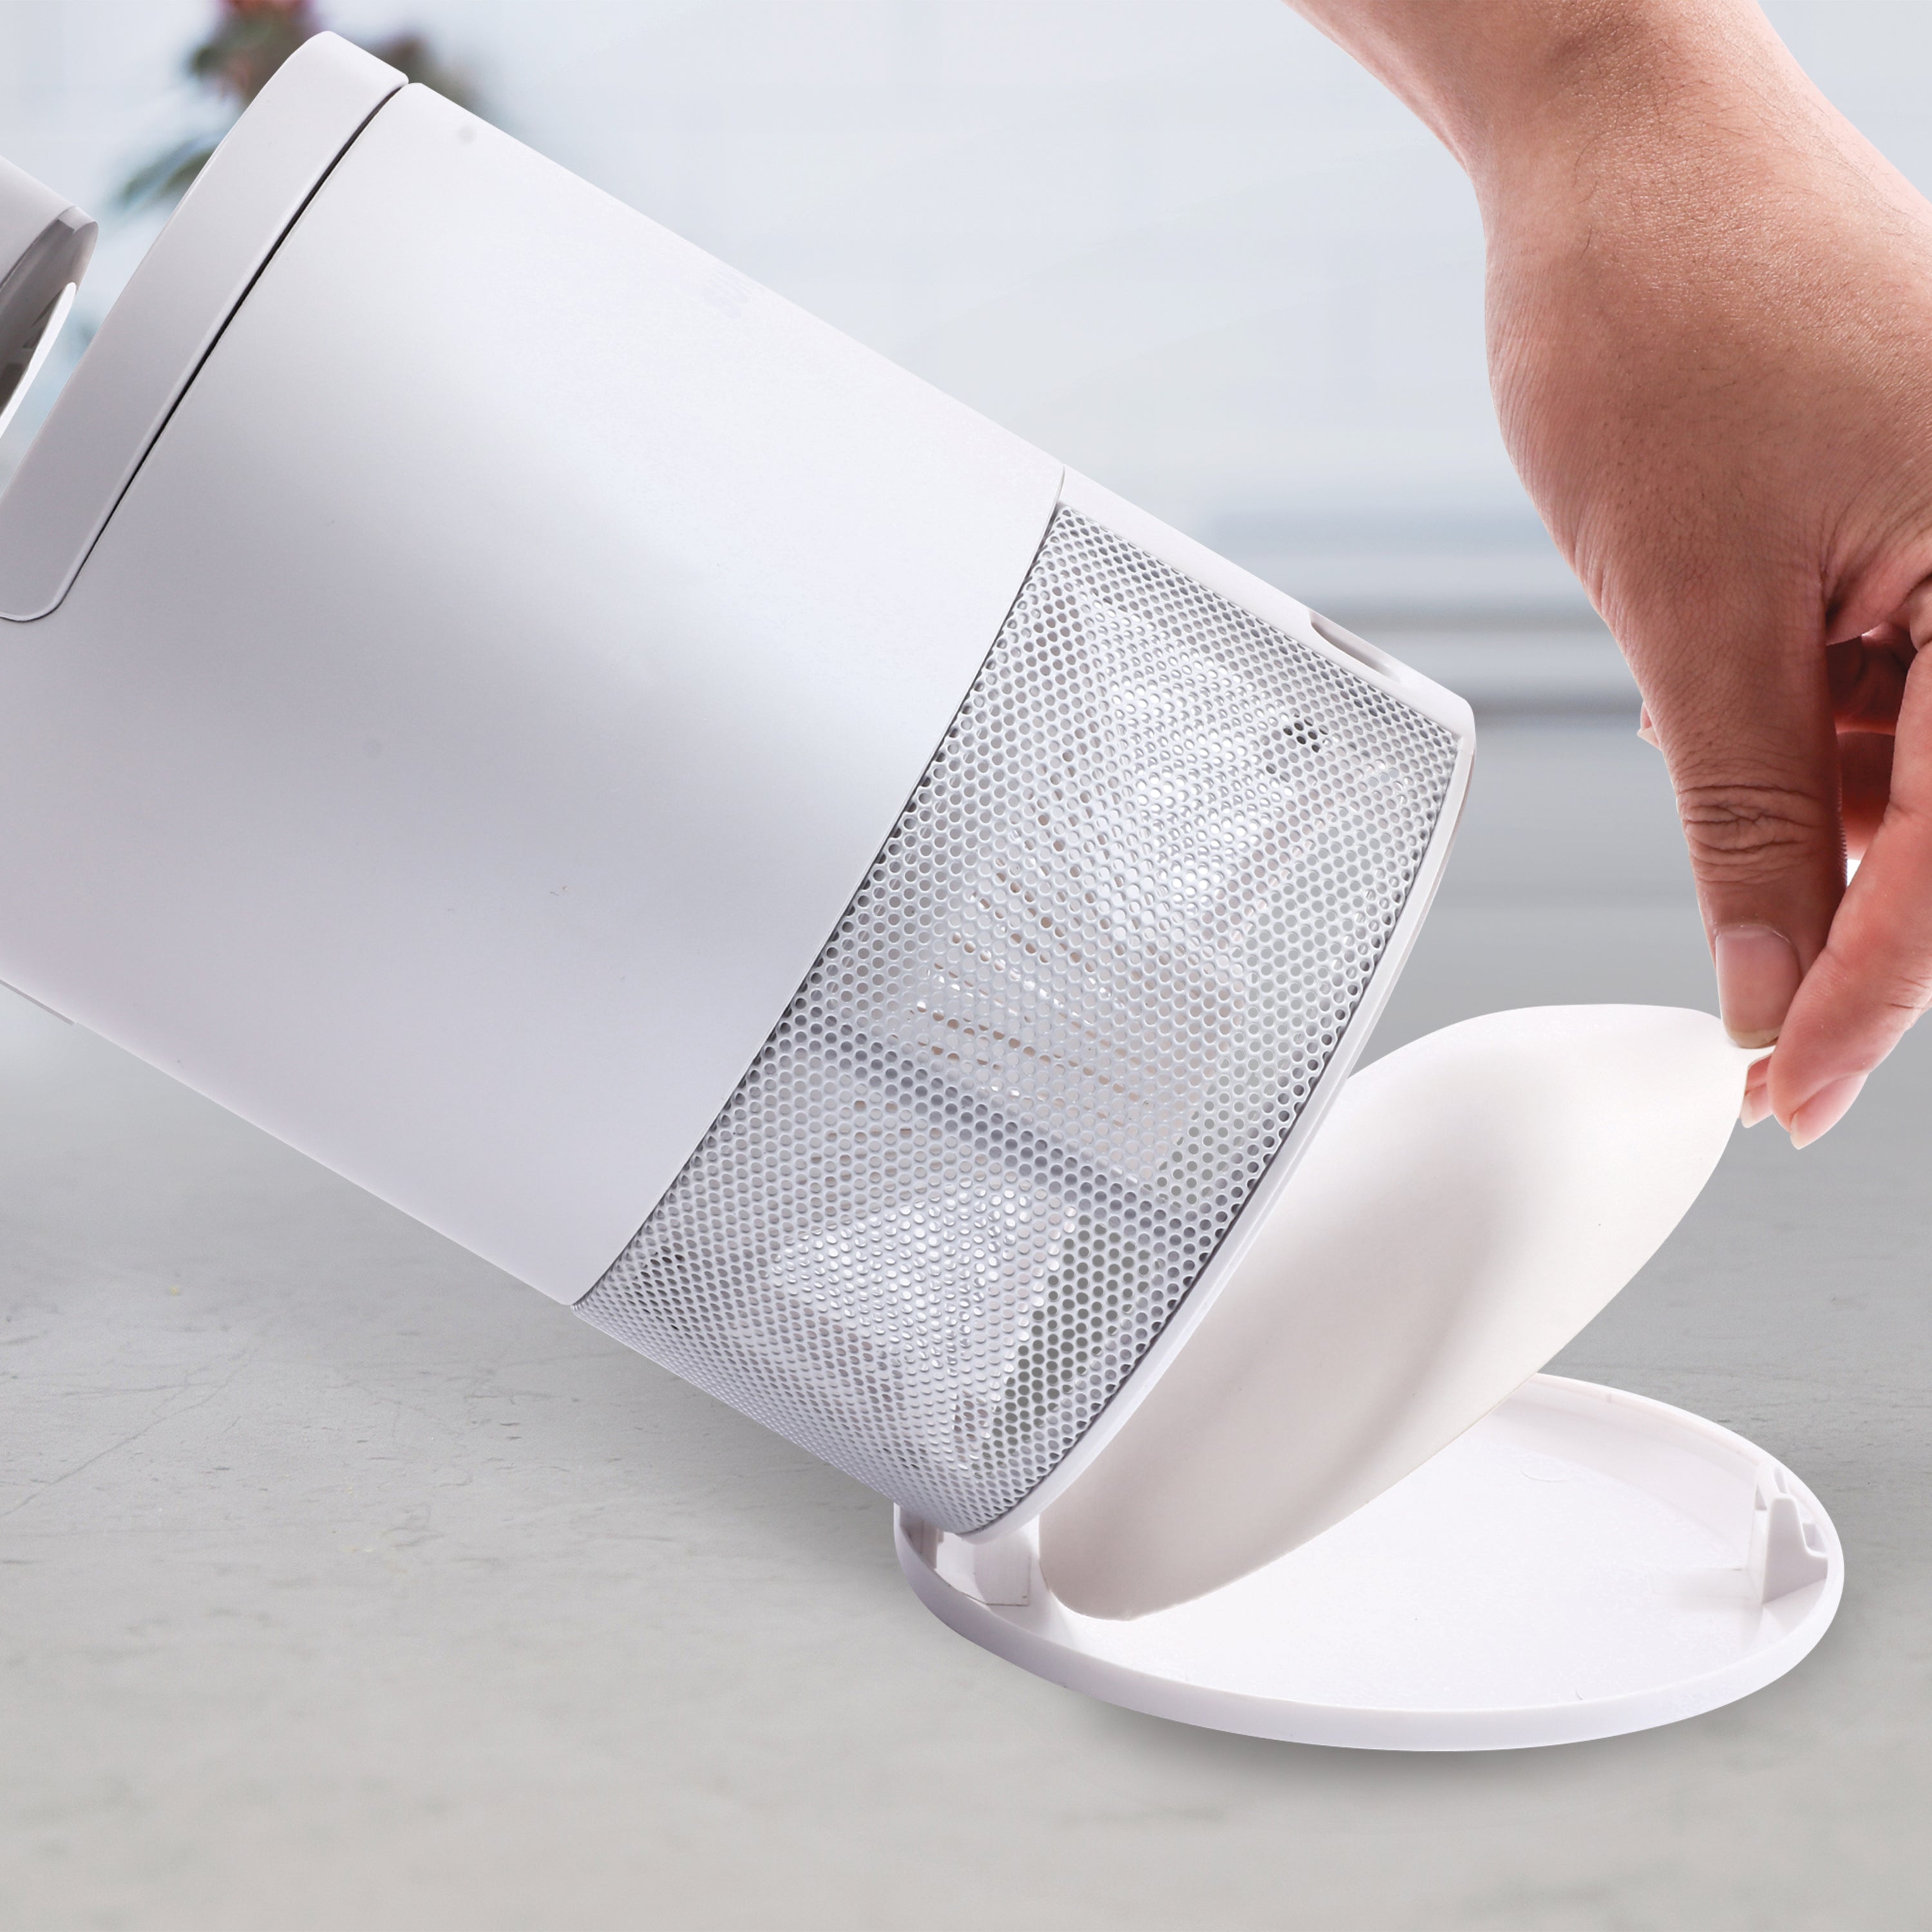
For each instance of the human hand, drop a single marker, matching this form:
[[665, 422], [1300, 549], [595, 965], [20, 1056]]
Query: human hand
[[1710, 322]]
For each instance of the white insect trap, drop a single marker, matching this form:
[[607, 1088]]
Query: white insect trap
[[867, 918]]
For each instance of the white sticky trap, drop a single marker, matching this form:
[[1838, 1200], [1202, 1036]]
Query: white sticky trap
[[1474, 1199]]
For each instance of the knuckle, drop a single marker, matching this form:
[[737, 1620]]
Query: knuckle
[[1904, 993], [1743, 834], [1910, 816]]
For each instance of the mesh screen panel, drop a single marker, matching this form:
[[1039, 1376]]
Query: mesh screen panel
[[1073, 1013]]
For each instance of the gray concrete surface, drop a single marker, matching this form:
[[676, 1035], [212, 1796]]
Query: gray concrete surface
[[345, 1583]]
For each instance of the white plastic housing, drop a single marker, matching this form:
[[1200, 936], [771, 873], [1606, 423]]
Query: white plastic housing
[[414, 769], [464, 650]]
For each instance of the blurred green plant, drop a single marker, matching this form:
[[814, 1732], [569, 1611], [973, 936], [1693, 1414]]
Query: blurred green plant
[[250, 41]]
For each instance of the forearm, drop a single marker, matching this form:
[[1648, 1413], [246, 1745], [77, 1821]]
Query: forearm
[[1522, 91]]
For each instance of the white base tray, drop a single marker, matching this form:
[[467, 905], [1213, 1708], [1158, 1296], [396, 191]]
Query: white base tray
[[1582, 1563]]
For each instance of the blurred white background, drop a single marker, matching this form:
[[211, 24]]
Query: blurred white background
[[1185, 245]]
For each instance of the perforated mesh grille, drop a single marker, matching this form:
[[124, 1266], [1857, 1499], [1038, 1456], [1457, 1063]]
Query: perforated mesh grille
[[1073, 1011]]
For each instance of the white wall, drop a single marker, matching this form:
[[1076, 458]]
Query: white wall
[[1184, 243]]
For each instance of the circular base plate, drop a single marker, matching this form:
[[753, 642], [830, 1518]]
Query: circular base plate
[[1581, 1563]]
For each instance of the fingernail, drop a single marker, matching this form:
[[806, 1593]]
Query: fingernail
[[1825, 1109], [1646, 730], [1757, 974]]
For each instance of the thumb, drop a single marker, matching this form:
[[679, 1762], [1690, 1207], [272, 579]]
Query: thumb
[[1745, 722]]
